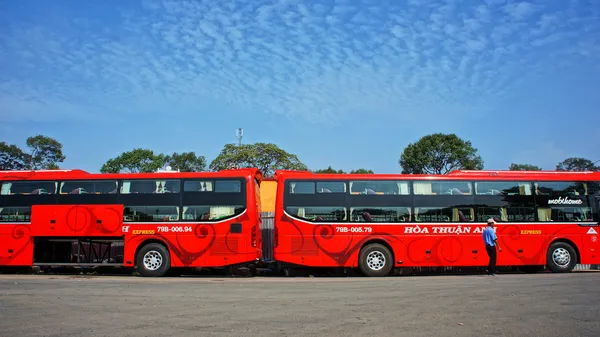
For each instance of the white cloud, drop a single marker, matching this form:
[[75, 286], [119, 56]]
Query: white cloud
[[521, 10], [315, 62]]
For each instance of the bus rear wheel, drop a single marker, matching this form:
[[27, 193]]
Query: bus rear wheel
[[561, 257], [153, 260], [375, 260]]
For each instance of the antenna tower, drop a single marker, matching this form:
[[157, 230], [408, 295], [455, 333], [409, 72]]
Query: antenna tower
[[239, 134]]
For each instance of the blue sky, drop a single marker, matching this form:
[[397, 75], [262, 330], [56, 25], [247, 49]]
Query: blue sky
[[341, 83]]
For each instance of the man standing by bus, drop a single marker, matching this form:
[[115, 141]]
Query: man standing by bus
[[491, 242]]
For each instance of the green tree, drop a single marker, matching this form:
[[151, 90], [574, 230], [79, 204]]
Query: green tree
[[12, 157], [524, 167], [329, 170], [362, 171], [265, 156], [135, 161], [577, 164], [45, 153], [439, 154], [186, 162]]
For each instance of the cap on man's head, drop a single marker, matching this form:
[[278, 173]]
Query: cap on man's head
[[491, 221]]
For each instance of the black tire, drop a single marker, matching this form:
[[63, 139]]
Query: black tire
[[162, 260], [561, 257], [253, 270], [375, 260]]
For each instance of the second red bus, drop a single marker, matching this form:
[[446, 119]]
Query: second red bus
[[379, 222]]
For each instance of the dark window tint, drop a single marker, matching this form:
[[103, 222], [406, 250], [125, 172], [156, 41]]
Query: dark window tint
[[318, 214], [331, 187], [509, 214], [301, 187], [380, 214], [150, 213], [15, 214], [228, 186], [211, 213], [502, 188], [553, 188], [593, 188], [150, 186], [219, 186], [214, 192], [565, 214], [28, 187], [89, 187], [442, 188], [198, 186], [383, 187], [444, 214]]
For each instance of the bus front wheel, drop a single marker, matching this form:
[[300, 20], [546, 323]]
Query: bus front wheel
[[153, 260], [375, 260], [561, 257]]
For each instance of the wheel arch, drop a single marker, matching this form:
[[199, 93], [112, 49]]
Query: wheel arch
[[569, 242], [146, 242], [380, 241]]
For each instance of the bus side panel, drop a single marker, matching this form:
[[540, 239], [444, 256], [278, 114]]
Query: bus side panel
[[433, 245], [295, 244], [77, 220], [590, 249], [418, 250], [194, 244], [100, 220], [522, 243], [462, 245], [16, 247], [427, 250], [54, 220]]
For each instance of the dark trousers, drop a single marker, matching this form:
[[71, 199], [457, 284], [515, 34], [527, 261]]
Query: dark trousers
[[491, 251]]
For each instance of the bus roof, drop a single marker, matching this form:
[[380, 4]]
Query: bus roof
[[77, 174], [517, 173], [454, 175]]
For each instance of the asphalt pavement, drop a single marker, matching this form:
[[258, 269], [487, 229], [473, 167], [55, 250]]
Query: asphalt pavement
[[505, 305]]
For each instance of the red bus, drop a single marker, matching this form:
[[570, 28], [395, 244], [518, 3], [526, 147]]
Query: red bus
[[378, 222], [152, 221]]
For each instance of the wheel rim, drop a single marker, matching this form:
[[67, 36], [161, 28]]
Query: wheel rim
[[153, 260], [561, 257], [376, 260]]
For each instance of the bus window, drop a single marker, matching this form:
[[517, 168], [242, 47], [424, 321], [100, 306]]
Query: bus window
[[442, 188], [301, 187]]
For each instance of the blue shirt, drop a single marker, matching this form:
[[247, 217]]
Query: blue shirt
[[489, 235]]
